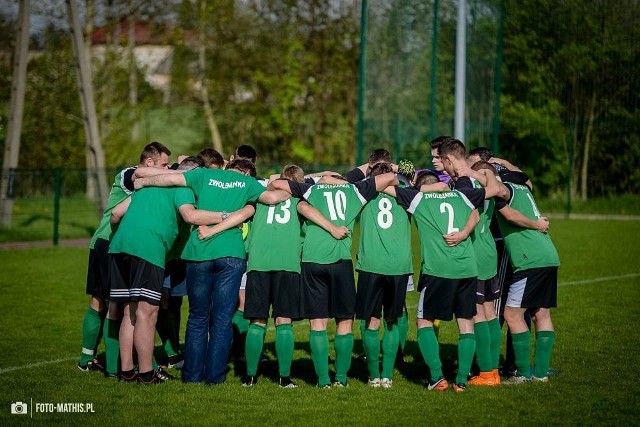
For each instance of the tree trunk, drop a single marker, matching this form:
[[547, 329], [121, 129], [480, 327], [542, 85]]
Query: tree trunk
[[204, 94], [89, 162], [587, 146], [133, 73]]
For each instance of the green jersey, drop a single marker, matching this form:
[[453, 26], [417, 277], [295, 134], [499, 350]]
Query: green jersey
[[385, 238], [527, 248], [121, 189], [483, 243], [218, 191], [151, 225], [274, 242], [341, 205], [437, 214]]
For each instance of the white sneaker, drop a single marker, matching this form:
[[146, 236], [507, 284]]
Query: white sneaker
[[540, 380], [386, 383], [375, 383]]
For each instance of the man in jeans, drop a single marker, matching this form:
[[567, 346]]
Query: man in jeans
[[214, 266]]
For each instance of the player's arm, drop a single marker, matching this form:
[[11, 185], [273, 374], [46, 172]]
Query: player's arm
[[234, 219], [296, 189], [438, 186], [493, 187], [456, 237], [518, 177], [195, 216], [516, 217], [273, 197], [143, 172], [315, 216], [118, 212], [163, 180], [385, 180]]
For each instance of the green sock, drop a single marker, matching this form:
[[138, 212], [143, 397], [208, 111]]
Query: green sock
[[284, 348], [403, 329], [430, 350], [483, 346], [164, 326], [344, 347], [154, 363], [319, 343], [495, 338], [111, 335], [240, 322], [371, 340], [389, 348], [521, 343], [466, 350], [253, 347], [91, 325], [544, 347]]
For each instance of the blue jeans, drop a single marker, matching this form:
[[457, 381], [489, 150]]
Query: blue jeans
[[212, 288]]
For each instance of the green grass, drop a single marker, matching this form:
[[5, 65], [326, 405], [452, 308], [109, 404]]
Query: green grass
[[596, 351], [626, 204]]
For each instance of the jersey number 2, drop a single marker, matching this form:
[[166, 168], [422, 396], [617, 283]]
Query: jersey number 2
[[449, 210]]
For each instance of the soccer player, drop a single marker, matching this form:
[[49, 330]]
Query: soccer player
[[486, 324], [327, 268], [448, 278], [384, 265], [211, 158], [154, 155], [137, 259], [214, 271], [534, 284]]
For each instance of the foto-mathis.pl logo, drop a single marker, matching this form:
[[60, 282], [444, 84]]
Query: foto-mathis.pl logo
[[19, 408]]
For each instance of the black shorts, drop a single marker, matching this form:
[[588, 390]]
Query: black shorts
[[328, 290], [278, 288], [442, 298], [488, 290], [98, 284], [534, 288], [376, 291], [134, 279]]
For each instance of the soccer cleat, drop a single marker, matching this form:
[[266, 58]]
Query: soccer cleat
[[93, 365], [147, 379], [459, 388], [164, 375], [110, 375], [386, 383], [540, 380], [485, 378], [249, 381], [176, 361], [375, 383], [340, 384], [128, 376], [496, 376], [285, 382], [324, 386], [516, 379], [440, 384]]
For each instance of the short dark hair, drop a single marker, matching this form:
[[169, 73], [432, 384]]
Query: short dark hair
[[380, 168], [483, 152], [246, 152], [438, 141], [190, 162], [379, 155], [452, 147], [426, 177], [484, 165], [153, 150], [293, 173], [243, 165], [210, 157]]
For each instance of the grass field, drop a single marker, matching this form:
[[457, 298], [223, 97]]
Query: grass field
[[596, 351]]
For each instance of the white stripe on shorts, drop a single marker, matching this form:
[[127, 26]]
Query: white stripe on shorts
[[420, 304], [516, 293]]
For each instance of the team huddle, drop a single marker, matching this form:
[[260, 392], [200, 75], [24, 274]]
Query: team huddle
[[243, 249]]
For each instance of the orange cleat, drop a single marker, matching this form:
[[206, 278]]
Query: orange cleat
[[485, 378]]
